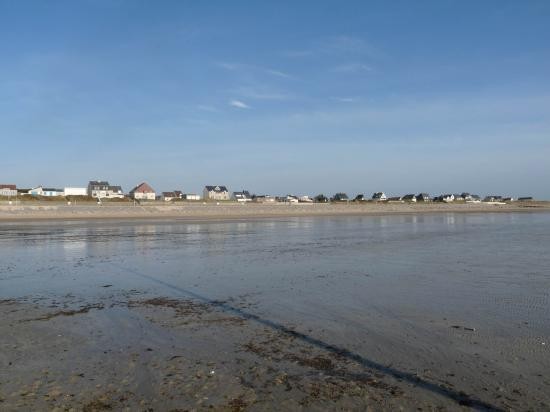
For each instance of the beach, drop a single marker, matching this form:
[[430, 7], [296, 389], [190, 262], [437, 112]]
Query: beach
[[410, 311], [232, 210]]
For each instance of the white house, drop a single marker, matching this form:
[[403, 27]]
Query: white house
[[46, 191], [191, 196], [305, 199], [143, 192], [102, 189], [8, 190], [76, 191], [215, 193]]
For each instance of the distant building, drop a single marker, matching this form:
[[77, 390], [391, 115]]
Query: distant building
[[525, 199], [242, 197], [76, 191], [46, 191], [394, 199], [447, 198], [102, 189], [143, 192], [263, 199], [191, 196], [8, 190], [305, 199], [169, 196], [409, 198], [379, 196], [423, 197], [360, 198], [493, 199], [215, 193]]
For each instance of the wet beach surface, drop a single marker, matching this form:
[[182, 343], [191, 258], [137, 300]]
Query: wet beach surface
[[420, 312]]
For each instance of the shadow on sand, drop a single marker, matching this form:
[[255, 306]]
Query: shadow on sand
[[459, 397]]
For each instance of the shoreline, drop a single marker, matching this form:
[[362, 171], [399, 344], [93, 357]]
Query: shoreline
[[213, 212]]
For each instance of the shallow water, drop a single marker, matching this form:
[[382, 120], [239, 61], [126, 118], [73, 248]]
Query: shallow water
[[450, 292]]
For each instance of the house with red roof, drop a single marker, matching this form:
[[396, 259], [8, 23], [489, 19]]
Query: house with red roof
[[143, 192]]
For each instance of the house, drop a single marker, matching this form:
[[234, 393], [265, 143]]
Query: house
[[360, 198], [191, 196], [102, 189], [169, 196], [8, 190], [290, 199], [379, 196], [508, 199], [143, 192], [423, 197], [493, 199], [409, 198], [447, 198], [395, 199], [466, 196], [305, 199], [263, 199], [76, 191], [340, 197], [458, 197], [242, 197], [215, 193], [46, 191], [525, 199]]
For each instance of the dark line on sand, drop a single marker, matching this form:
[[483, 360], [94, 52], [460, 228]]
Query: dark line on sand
[[461, 398]]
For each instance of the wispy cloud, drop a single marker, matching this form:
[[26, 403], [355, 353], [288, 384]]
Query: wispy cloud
[[278, 73], [260, 93], [353, 68], [239, 104], [244, 67], [341, 44], [345, 99], [207, 108]]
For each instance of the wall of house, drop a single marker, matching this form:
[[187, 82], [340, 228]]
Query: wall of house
[[144, 196], [76, 191], [216, 195], [8, 192]]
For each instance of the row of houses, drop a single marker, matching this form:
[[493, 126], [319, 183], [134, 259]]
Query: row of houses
[[100, 189]]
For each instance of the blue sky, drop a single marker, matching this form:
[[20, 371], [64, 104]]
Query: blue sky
[[279, 97]]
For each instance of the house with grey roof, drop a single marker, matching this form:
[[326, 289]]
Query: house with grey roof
[[102, 189], [215, 193]]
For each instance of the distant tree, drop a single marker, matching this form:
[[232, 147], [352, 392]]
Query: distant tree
[[321, 199], [340, 197]]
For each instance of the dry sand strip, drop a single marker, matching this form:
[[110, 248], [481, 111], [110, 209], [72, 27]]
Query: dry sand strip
[[243, 211]]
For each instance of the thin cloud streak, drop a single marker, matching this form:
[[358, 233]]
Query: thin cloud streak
[[239, 104]]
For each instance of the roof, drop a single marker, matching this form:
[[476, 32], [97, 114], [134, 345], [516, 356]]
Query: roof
[[142, 188], [216, 188], [98, 183], [12, 187], [49, 189]]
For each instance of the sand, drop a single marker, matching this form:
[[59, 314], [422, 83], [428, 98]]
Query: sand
[[199, 211]]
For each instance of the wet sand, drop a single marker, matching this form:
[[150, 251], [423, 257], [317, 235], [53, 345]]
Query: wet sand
[[342, 313], [210, 211]]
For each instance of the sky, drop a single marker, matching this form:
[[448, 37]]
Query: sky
[[301, 97]]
